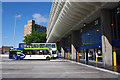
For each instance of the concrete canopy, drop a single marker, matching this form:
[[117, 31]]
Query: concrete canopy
[[65, 16]]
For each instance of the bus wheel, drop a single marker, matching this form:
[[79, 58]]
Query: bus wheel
[[48, 58], [18, 58]]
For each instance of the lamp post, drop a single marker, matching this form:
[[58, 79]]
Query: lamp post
[[14, 30]]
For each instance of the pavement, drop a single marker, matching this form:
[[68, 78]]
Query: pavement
[[57, 68]]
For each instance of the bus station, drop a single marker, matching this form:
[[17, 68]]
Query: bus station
[[82, 42], [86, 31]]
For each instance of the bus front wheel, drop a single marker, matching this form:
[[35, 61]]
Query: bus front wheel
[[18, 58]]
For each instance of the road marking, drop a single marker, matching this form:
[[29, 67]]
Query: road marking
[[58, 60], [26, 62], [105, 70], [4, 56], [55, 73]]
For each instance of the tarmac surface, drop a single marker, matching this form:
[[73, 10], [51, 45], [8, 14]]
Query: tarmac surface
[[57, 68]]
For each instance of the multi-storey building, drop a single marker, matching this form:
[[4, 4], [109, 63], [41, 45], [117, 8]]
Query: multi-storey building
[[86, 31], [32, 26]]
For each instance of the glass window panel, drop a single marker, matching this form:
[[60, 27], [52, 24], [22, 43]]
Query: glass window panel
[[53, 45], [48, 45], [92, 35]]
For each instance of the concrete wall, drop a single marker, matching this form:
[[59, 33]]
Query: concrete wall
[[74, 41], [106, 37]]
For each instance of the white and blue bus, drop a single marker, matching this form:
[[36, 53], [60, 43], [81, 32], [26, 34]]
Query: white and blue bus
[[51, 46], [29, 53]]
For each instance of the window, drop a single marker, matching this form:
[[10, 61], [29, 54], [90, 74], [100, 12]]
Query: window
[[21, 46], [91, 34], [28, 46], [53, 52], [53, 45], [116, 21], [27, 52], [42, 45], [45, 52], [48, 45], [41, 52], [82, 55], [24, 45], [118, 25], [12, 53]]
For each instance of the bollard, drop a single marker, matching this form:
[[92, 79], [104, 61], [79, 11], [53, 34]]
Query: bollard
[[77, 56], [96, 56], [114, 56], [68, 55], [85, 56]]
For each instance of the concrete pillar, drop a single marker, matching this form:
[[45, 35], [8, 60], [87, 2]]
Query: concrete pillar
[[73, 52], [73, 44], [106, 37], [62, 51], [62, 47]]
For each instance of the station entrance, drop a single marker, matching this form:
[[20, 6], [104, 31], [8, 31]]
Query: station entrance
[[89, 55]]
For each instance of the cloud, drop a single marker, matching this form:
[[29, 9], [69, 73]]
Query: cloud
[[39, 18], [18, 16]]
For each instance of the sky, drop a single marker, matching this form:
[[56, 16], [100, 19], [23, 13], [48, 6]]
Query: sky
[[38, 11]]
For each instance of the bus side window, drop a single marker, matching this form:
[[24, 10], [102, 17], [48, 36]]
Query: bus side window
[[24, 52], [41, 52], [46, 52], [37, 52], [27, 52], [30, 52]]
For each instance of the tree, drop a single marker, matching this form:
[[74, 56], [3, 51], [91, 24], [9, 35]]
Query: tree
[[35, 37]]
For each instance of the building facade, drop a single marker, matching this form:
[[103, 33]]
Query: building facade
[[5, 49], [32, 26], [86, 31]]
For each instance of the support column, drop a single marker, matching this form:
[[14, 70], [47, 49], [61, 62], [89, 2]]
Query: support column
[[62, 52], [106, 37], [73, 44], [73, 52], [62, 48]]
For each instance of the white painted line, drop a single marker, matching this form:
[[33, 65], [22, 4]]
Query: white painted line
[[4, 55], [58, 60], [105, 70], [22, 63], [80, 72], [54, 73]]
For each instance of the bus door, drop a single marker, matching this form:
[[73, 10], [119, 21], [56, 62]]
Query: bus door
[[13, 55]]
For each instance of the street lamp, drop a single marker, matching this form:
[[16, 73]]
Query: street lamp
[[14, 29]]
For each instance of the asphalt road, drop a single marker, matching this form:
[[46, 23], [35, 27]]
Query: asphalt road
[[58, 68]]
